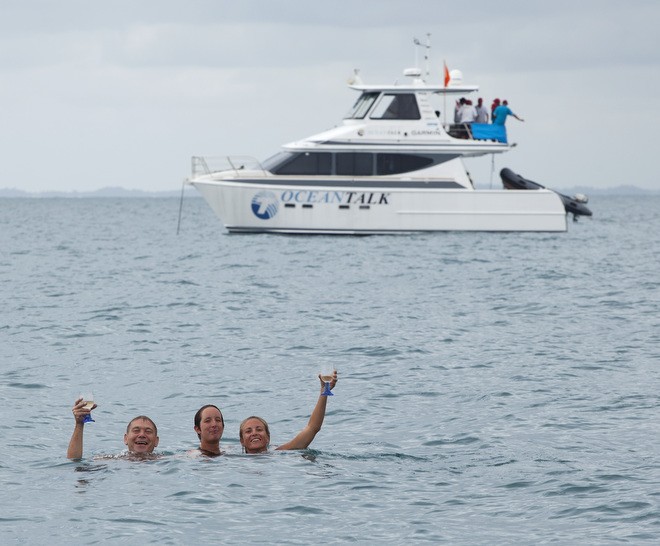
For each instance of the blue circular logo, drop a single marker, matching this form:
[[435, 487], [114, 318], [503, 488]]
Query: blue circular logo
[[265, 205]]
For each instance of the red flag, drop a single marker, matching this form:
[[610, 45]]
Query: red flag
[[447, 78]]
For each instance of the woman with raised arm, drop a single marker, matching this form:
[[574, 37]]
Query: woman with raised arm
[[255, 434]]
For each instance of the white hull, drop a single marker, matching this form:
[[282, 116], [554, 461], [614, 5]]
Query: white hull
[[394, 165], [253, 207]]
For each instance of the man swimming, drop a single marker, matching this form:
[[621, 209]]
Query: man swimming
[[141, 436]]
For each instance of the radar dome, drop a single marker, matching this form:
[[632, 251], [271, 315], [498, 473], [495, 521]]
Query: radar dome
[[455, 77]]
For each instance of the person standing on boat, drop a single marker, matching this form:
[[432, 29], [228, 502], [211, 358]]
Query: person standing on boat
[[457, 109], [141, 436], [467, 113], [482, 111], [496, 103], [254, 433], [501, 112], [209, 426]]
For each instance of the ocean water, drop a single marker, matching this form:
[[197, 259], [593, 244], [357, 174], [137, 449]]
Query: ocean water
[[494, 388]]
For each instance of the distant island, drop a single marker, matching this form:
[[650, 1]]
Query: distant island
[[112, 191]]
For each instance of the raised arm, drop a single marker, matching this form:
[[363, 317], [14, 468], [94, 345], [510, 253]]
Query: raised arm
[[75, 450], [306, 435]]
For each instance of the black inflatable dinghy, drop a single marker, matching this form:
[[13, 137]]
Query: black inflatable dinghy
[[576, 205]]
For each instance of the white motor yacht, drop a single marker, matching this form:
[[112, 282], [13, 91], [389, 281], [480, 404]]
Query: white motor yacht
[[392, 166]]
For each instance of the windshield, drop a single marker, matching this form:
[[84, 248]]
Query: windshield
[[396, 106], [275, 161], [361, 107]]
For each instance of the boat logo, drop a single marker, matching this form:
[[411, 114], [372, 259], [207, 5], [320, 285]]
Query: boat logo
[[265, 205]]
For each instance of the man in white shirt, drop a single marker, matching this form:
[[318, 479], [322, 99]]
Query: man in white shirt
[[467, 113], [482, 112]]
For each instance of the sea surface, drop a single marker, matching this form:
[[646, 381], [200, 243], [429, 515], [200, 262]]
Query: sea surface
[[493, 388]]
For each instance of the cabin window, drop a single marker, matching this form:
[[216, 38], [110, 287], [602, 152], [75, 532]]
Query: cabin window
[[396, 106], [362, 105], [400, 163], [272, 163], [306, 163], [350, 164]]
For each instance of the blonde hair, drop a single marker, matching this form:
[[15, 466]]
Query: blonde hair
[[240, 430]]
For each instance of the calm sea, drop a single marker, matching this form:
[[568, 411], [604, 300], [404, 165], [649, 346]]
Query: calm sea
[[494, 388]]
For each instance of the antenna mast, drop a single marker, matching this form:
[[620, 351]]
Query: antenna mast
[[427, 47], [427, 54]]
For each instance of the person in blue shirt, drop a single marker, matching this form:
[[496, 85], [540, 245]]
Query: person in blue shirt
[[501, 112]]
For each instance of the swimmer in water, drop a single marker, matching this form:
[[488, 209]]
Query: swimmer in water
[[209, 426], [141, 436], [254, 433]]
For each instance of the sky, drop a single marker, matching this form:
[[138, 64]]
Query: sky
[[123, 93]]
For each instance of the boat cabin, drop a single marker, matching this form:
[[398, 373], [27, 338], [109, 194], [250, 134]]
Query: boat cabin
[[414, 104]]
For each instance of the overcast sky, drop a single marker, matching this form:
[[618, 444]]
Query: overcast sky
[[123, 93]]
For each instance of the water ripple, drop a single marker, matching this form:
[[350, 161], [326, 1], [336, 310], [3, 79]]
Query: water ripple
[[505, 380]]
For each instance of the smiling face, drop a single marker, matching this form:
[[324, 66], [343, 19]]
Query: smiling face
[[141, 435], [211, 425], [254, 435]]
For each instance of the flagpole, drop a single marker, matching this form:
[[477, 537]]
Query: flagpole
[[445, 93]]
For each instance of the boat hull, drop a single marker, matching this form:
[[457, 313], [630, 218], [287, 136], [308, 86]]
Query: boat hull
[[253, 207]]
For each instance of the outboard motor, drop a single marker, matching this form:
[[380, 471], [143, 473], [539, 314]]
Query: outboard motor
[[576, 205]]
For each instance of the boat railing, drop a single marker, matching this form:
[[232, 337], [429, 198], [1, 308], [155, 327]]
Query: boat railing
[[460, 130], [478, 131], [238, 164]]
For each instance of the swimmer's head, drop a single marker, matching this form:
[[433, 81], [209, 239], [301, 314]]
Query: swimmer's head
[[143, 418], [141, 435], [201, 414], [254, 434]]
